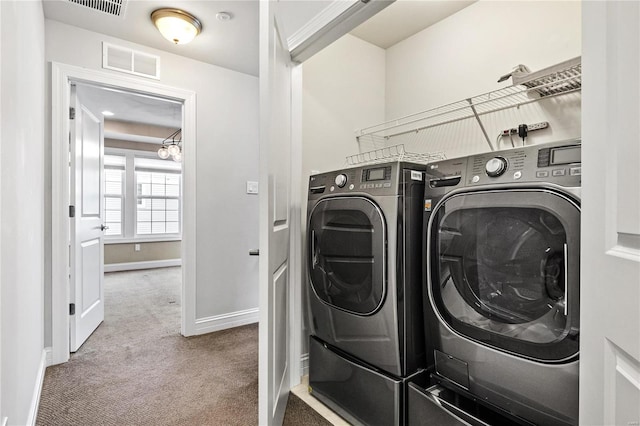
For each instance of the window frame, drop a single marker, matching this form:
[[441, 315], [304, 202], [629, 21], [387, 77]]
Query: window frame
[[130, 199], [122, 195]]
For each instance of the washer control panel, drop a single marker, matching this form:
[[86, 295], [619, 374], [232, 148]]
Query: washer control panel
[[557, 162]]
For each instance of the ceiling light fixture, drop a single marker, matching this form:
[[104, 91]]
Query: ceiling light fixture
[[176, 25], [171, 147], [107, 113]]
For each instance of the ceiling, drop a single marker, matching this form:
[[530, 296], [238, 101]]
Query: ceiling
[[405, 18], [231, 44], [132, 107]]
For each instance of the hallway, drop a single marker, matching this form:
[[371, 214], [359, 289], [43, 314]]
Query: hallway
[[136, 369]]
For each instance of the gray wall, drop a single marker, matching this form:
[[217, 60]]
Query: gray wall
[[227, 156], [22, 85]]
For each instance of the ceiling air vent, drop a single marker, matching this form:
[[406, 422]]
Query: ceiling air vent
[[110, 7]]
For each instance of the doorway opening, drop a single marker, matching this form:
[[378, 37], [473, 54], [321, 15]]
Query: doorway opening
[[144, 216], [141, 201]]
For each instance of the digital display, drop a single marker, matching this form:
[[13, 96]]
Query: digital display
[[565, 155], [376, 174]]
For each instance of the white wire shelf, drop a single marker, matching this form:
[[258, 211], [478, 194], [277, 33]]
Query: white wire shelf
[[560, 79], [392, 153]]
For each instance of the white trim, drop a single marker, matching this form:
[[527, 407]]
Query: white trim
[[304, 364], [318, 22], [49, 356], [61, 74], [148, 264], [330, 24], [35, 401], [225, 321], [295, 233], [133, 138]]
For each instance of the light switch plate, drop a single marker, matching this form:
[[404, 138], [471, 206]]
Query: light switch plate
[[252, 187]]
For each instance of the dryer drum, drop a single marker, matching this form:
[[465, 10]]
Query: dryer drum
[[346, 247]]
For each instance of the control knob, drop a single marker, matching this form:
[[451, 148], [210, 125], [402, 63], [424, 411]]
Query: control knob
[[496, 166], [341, 180]]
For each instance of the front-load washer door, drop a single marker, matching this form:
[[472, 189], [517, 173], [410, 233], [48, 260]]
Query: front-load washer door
[[504, 270], [347, 254]]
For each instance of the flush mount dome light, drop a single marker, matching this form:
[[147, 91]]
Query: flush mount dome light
[[176, 25]]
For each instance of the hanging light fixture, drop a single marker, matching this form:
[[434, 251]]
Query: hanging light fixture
[[176, 25], [171, 146]]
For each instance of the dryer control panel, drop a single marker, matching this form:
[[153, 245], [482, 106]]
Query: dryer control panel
[[376, 179]]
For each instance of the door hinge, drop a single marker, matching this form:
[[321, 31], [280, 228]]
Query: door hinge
[[72, 211], [72, 113], [72, 308]]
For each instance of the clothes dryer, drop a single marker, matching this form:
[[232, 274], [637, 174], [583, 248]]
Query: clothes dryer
[[364, 274], [502, 243]]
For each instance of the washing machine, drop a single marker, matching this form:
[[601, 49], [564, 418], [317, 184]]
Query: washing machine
[[364, 263], [502, 254]]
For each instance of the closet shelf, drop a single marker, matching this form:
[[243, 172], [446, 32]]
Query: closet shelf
[[557, 80], [392, 153]]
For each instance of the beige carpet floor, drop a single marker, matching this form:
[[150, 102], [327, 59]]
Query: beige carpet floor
[[136, 368]]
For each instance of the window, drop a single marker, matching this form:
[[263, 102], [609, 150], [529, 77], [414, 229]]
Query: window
[[113, 193], [142, 196], [158, 197]]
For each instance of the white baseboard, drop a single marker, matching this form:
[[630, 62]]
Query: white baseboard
[[49, 356], [35, 401], [304, 365], [224, 321], [150, 264]]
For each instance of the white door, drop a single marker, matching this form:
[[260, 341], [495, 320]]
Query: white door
[[86, 227], [610, 273], [275, 216]]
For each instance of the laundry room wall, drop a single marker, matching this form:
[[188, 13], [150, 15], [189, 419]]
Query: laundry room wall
[[227, 157], [22, 140], [465, 54], [343, 90]]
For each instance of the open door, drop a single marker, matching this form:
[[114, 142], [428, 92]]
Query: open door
[[280, 103], [275, 216], [86, 221], [610, 288]]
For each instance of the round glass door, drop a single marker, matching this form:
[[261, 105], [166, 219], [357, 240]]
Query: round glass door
[[504, 270], [347, 254]]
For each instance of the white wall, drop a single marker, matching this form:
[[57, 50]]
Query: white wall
[[343, 90], [22, 207], [465, 54], [227, 156]]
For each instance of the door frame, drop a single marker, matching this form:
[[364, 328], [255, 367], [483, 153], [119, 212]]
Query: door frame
[[61, 76]]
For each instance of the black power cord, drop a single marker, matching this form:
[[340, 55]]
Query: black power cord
[[523, 130]]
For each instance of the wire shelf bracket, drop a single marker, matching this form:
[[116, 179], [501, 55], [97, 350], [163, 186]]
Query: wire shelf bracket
[[557, 80]]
